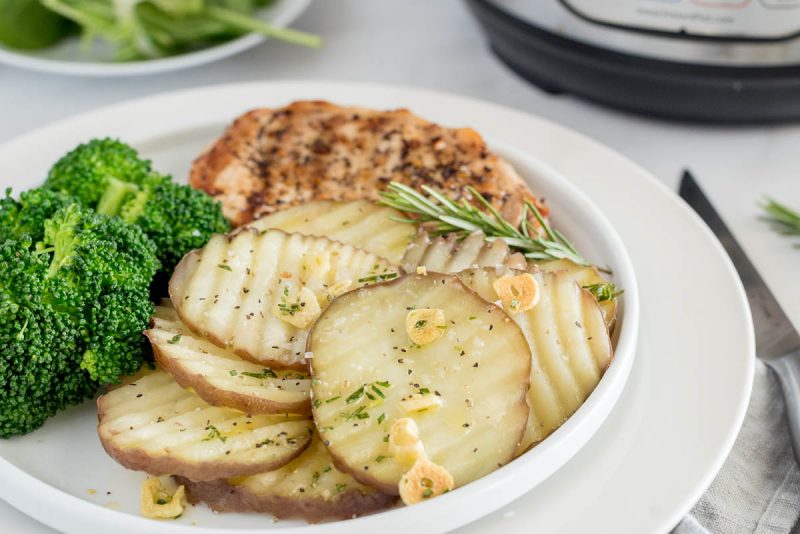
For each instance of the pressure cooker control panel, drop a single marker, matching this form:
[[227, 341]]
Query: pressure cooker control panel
[[724, 19]]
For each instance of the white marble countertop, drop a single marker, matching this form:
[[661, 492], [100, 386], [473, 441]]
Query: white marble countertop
[[437, 45]]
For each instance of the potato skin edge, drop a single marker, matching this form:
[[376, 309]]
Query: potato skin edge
[[222, 497], [224, 398], [138, 460]]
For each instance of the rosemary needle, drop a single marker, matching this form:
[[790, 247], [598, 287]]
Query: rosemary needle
[[463, 218], [784, 219]]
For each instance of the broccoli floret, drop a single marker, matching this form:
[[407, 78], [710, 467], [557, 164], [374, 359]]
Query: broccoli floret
[[38, 205], [101, 269], [40, 349], [72, 309], [85, 172], [110, 177]]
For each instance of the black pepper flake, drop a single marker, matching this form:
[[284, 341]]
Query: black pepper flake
[[475, 364], [139, 395], [491, 327]]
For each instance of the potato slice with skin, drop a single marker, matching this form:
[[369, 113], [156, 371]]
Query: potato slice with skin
[[220, 377], [309, 487], [569, 341], [450, 254], [364, 365], [585, 275], [235, 290], [360, 223], [154, 425]]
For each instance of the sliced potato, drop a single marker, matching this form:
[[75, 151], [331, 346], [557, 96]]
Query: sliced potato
[[365, 369], [360, 223], [220, 377], [585, 275], [569, 342], [449, 254], [251, 291], [154, 425], [309, 487]]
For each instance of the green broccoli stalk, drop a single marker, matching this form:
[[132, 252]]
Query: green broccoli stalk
[[110, 177], [114, 196]]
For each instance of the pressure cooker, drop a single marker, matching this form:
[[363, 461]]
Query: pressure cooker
[[730, 61]]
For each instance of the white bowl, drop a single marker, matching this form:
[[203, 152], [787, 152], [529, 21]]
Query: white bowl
[[47, 473], [68, 57]]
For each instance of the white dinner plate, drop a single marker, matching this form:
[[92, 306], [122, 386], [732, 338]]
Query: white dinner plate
[[663, 442], [71, 57]]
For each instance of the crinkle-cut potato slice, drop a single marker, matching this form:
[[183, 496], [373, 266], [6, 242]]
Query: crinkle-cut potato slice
[[585, 275], [253, 292], [465, 390], [309, 487], [449, 254], [569, 342], [220, 377], [360, 223], [154, 425]]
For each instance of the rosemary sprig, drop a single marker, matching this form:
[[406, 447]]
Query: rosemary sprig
[[603, 292], [783, 218], [462, 218]]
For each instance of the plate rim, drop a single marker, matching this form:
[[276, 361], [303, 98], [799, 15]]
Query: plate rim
[[414, 93], [19, 59]]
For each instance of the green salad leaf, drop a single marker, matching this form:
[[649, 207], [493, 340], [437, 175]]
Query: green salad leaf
[[146, 29], [28, 25]]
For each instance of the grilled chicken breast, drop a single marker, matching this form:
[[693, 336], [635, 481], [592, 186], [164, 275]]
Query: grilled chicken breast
[[269, 159]]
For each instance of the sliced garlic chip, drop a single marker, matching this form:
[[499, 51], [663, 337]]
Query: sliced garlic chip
[[517, 293], [424, 481], [425, 325], [404, 443], [300, 311], [157, 502]]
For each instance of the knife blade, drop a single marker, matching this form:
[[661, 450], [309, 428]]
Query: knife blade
[[777, 340], [775, 334]]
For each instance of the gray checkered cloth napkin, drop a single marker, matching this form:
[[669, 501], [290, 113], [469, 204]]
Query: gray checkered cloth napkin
[[758, 488]]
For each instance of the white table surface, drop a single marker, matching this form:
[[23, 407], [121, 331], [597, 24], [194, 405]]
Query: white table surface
[[437, 45]]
